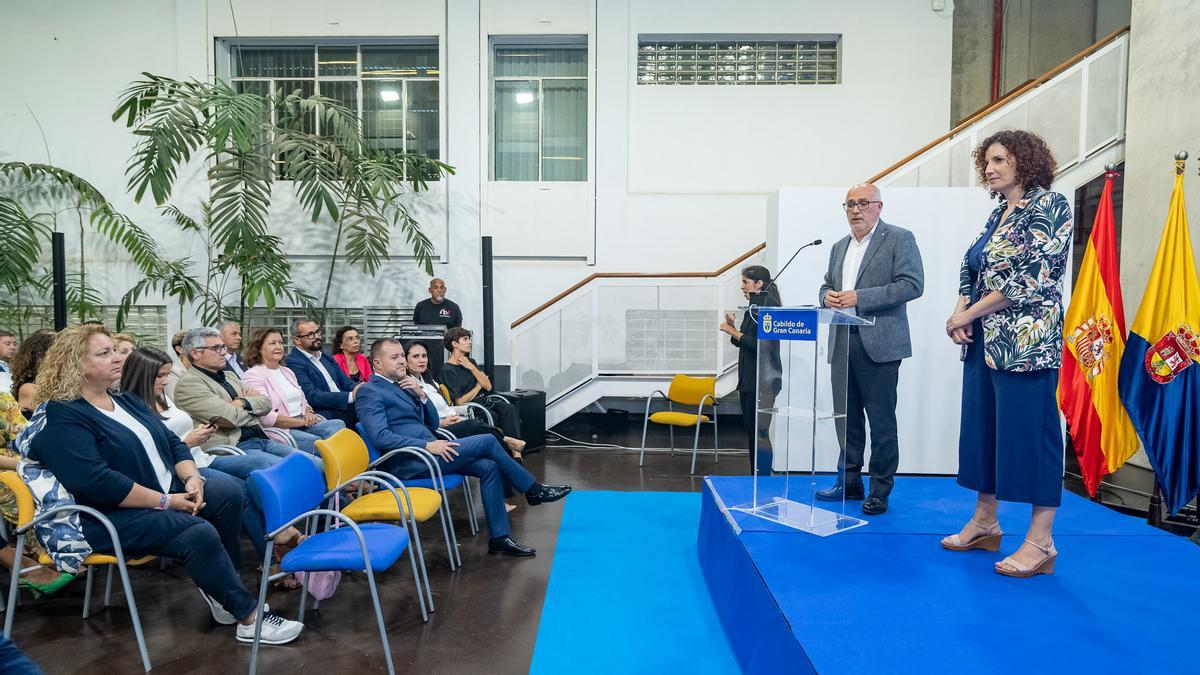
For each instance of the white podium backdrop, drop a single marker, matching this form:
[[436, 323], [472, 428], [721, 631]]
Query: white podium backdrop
[[944, 221]]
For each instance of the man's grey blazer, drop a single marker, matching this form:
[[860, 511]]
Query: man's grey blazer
[[889, 276]]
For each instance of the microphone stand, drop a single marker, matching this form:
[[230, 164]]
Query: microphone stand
[[757, 299]]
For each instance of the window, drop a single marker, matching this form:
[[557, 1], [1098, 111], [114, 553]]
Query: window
[[393, 87], [539, 101], [728, 60]]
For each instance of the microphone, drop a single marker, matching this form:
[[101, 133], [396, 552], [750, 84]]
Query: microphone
[[758, 298]]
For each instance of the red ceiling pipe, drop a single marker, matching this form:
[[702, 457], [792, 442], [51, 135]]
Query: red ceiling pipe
[[997, 40]]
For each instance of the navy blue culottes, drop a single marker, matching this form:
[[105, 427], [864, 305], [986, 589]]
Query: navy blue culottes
[[1010, 439]]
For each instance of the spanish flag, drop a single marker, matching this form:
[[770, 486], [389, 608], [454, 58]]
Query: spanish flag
[[1160, 372], [1094, 334]]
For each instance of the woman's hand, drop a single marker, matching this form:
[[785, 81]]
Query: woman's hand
[[195, 491], [959, 319], [447, 421], [311, 418], [961, 336], [730, 319], [198, 436], [183, 502]]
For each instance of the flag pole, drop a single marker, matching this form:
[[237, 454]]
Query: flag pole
[[1154, 517]]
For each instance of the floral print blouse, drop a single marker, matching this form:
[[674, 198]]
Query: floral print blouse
[[1024, 260]]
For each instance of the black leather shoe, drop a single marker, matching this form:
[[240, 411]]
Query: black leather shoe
[[874, 505], [834, 493], [506, 546], [542, 494]]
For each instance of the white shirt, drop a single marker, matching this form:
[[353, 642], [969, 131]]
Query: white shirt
[[231, 359], [432, 392], [850, 264], [291, 393], [122, 417], [180, 424], [316, 361]]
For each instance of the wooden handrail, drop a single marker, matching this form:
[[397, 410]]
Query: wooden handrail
[[636, 275], [1028, 86]]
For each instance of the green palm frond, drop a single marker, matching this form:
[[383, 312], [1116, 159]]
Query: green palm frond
[[171, 119], [22, 237], [241, 196], [172, 277], [314, 166], [122, 231], [85, 194]]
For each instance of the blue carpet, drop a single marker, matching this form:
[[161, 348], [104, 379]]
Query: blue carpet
[[626, 594], [924, 505], [886, 598]]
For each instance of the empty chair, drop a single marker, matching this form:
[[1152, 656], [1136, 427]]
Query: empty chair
[[686, 391]]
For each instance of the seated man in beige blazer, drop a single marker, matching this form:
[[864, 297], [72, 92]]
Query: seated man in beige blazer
[[211, 393]]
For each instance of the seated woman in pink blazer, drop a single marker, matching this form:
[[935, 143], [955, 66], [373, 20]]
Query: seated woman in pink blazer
[[347, 351], [290, 413]]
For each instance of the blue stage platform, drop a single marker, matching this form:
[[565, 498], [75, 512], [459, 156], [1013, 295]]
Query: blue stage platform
[[887, 598]]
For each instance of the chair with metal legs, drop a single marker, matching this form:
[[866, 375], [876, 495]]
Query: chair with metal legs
[[26, 519], [345, 461], [292, 492], [684, 390], [440, 482]]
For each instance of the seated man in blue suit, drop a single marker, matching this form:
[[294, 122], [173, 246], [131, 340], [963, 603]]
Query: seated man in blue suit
[[328, 390], [396, 413]]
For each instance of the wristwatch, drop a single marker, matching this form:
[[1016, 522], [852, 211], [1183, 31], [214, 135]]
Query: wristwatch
[[195, 475]]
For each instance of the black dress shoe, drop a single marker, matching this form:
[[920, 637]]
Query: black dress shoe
[[834, 493], [874, 505], [506, 546], [541, 494]]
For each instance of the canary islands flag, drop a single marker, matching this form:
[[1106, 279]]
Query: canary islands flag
[[1160, 371], [1094, 333]]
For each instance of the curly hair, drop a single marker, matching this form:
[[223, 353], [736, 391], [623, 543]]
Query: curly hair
[[61, 375], [252, 352], [1035, 163], [28, 359]]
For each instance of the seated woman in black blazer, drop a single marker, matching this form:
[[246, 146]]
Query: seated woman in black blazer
[[110, 452]]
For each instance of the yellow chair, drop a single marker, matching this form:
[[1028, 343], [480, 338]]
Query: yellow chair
[[689, 391], [27, 518], [347, 461]]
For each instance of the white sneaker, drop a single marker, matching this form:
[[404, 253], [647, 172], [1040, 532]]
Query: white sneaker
[[219, 613], [276, 630]]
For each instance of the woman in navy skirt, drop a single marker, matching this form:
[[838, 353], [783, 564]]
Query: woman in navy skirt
[[1009, 322]]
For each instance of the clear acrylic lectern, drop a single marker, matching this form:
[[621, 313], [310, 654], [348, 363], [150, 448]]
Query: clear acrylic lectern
[[801, 416]]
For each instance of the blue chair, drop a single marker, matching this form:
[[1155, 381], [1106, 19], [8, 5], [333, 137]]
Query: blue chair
[[293, 491], [437, 480]]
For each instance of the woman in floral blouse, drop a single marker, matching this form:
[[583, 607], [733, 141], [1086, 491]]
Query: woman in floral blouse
[[42, 580], [1009, 322]]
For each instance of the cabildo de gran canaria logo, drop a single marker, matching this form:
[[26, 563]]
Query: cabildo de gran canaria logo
[[788, 324]]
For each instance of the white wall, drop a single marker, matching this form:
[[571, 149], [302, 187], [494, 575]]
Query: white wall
[[667, 193], [944, 221]]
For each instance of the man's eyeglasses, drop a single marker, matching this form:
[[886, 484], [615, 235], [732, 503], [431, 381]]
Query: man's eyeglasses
[[216, 349], [863, 204], [309, 334]]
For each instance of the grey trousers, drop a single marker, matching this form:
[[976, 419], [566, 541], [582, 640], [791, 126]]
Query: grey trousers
[[869, 391]]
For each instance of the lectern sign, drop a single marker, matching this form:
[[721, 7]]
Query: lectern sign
[[787, 324]]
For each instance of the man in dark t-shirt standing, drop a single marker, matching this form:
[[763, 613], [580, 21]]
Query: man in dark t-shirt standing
[[437, 310]]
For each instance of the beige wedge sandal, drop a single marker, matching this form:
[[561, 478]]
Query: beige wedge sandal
[[988, 541], [1019, 571]]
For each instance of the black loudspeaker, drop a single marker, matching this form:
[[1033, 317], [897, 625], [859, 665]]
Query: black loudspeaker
[[531, 408]]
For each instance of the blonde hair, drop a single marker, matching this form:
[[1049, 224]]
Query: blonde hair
[[61, 375], [124, 337]]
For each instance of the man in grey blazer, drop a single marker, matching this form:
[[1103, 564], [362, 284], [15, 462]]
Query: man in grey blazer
[[874, 271]]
